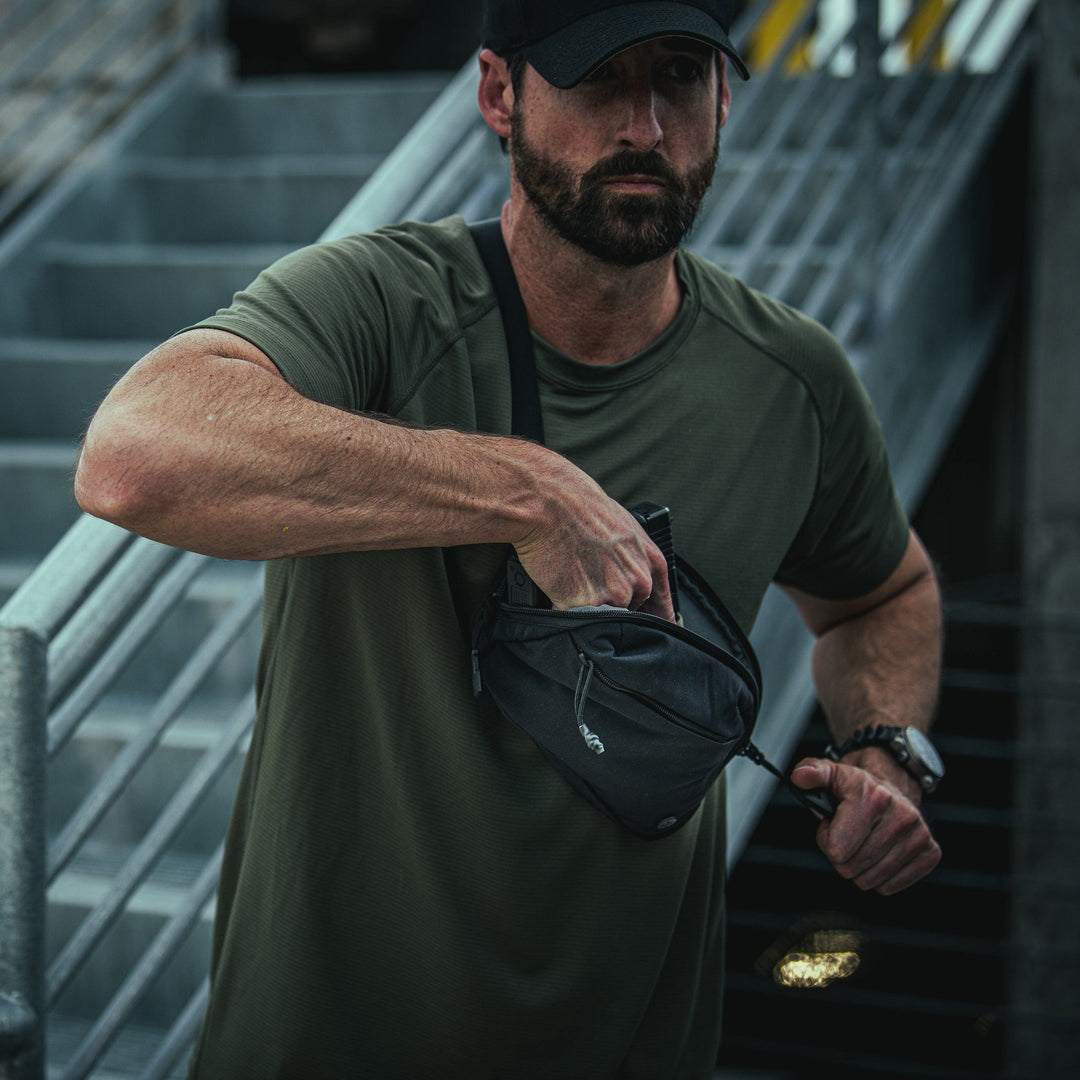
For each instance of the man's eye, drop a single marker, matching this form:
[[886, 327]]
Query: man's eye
[[684, 69]]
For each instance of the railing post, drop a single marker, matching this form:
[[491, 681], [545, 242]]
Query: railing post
[[22, 853], [868, 73], [212, 22]]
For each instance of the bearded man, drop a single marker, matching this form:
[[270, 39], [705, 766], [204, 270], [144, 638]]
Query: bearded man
[[410, 890]]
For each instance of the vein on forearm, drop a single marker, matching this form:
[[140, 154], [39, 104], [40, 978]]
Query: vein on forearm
[[247, 468], [883, 666]]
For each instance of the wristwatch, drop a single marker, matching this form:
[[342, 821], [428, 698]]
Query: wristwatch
[[908, 745]]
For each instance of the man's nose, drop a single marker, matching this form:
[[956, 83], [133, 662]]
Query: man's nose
[[641, 128]]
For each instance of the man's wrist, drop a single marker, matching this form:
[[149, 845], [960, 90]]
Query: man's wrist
[[909, 747], [881, 764]]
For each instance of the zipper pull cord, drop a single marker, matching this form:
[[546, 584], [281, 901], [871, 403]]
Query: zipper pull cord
[[581, 695], [477, 682], [758, 758], [820, 802]]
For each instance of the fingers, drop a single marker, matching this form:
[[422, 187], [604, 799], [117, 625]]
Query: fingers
[[598, 554], [658, 602], [877, 838]]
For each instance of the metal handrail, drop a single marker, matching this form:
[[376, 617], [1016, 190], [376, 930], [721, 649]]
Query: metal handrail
[[178, 694], [911, 135], [793, 112], [99, 629], [180, 1036], [164, 946], [142, 860]]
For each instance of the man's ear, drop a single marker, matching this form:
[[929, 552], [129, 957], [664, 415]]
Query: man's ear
[[496, 93], [724, 100]]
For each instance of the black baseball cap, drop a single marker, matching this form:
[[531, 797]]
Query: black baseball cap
[[566, 39]]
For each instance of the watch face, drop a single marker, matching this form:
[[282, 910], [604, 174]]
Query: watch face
[[923, 750]]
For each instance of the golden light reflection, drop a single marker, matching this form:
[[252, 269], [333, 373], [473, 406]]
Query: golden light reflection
[[819, 960], [811, 971]]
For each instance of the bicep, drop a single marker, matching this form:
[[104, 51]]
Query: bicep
[[221, 344], [192, 354], [191, 371], [821, 614]]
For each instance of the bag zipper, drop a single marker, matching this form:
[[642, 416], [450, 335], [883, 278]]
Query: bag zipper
[[572, 615], [650, 702]]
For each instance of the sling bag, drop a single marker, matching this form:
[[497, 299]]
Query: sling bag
[[638, 714]]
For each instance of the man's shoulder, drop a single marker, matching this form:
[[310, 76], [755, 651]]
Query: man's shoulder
[[444, 248], [763, 321], [776, 329]]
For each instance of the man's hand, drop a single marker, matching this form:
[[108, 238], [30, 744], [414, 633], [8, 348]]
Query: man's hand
[[877, 838], [589, 550]]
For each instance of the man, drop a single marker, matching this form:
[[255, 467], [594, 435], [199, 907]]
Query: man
[[410, 890]]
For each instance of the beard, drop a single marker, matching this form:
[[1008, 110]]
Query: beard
[[615, 227]]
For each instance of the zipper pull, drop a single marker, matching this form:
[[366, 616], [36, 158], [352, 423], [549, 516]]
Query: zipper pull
[[581, 695], [477, 684], [757, 757]]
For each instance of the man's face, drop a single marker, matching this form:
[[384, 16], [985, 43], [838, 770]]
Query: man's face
[[619, 164]]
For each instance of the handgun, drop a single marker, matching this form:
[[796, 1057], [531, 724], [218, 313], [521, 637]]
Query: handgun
[[656, 521]]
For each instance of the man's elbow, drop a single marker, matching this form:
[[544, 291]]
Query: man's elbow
[[114, 482]]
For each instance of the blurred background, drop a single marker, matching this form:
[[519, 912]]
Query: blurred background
[[906, 171]]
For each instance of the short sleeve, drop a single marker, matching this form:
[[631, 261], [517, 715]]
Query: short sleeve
[[318, 315], [855, 531]]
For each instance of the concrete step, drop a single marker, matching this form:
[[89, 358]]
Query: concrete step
[[125, 1060], [53, 385], [36, 496], [140, 290], [79, 766], [277, 198], [306, 115], [73, 896]]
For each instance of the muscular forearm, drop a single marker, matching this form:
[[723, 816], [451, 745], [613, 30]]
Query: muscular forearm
[[883, 667], [213, 451], [243, 467], [877, 661]]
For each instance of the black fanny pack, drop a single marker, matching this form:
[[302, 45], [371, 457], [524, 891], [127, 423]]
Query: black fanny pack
[[640, 715]]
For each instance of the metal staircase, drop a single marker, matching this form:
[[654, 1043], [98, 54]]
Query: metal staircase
[[125, 666]]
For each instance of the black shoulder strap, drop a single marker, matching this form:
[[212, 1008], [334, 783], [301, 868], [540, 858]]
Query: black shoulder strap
[[526, 419]]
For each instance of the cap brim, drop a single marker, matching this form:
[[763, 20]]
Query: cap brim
[[565, 57]]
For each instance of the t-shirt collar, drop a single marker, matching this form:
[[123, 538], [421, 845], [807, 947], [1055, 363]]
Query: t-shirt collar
[[556, 367]]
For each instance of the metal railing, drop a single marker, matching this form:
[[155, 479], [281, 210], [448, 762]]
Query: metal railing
[[66, 635], [84, 613], [70, 70]]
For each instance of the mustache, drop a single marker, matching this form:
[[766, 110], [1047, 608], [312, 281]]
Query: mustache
[[634, 163]]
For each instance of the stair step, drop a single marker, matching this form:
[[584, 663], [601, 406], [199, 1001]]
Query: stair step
[[53, 385], [73, 896], [36, 494], [79, 766], [126, 1059], [279, 198], [367, 114], [91, 874], [142, 290]]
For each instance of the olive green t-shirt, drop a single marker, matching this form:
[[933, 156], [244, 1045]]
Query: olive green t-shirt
[[409, 889]]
